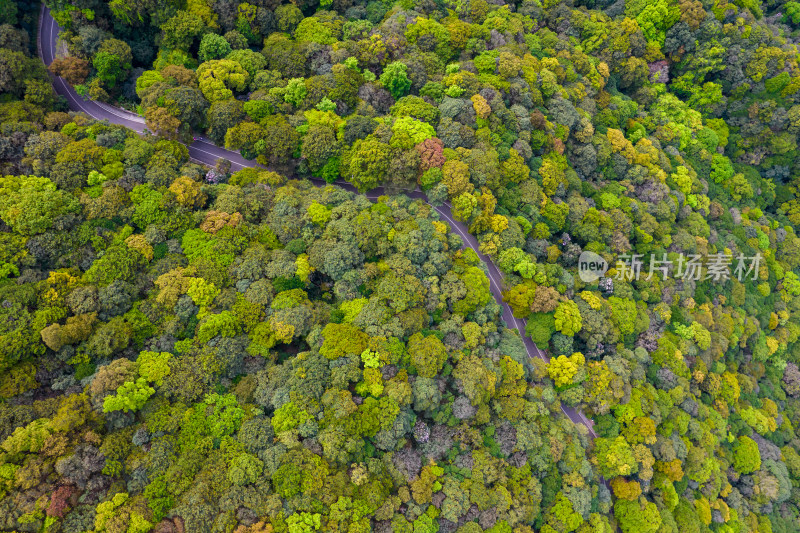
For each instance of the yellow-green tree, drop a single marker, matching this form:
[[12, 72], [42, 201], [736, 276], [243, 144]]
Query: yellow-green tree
[[568, 318], [562, 369]]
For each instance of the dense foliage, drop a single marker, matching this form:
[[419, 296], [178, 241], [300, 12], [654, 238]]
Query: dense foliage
[[224, 354], [182, 349]]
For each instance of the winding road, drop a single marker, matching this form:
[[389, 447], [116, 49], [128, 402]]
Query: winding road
[[208, 153]]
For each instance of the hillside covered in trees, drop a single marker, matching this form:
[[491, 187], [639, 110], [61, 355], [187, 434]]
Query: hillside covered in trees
[[187, 348]]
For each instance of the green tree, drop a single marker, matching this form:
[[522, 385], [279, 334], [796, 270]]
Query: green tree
[[245, 469], [252, 62], [112, 61], [258, 109], [213, 46], [311, 29], [623, 314], [154, 366], [218, 79], [540, 328], [120, 262], [244, 137], [568, 318], [16, 68], [78, 328], [655, 19], [366, 163], [395, 79], [614, 457], [478, 291], [562, 517], [163, 123], [428, 354], [39, 93], [637, 516], [295, 91], [223, 115], [319, 146], [341, 340], [280, 141], [181, 30], [303, 522], [8, 14], [562, 369], [29, 204], [477, 379], [130, 396], [409, 132], [29, 438], [320, 214], [746, 457]]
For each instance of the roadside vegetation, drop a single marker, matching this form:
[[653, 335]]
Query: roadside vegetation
[[185, 348]]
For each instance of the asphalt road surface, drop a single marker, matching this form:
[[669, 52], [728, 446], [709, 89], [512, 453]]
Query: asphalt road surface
[[208, 153]]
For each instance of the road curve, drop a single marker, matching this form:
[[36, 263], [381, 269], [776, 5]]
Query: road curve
[[208, 153]]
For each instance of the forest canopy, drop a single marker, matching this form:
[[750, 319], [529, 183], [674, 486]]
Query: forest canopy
[[187, 347]]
